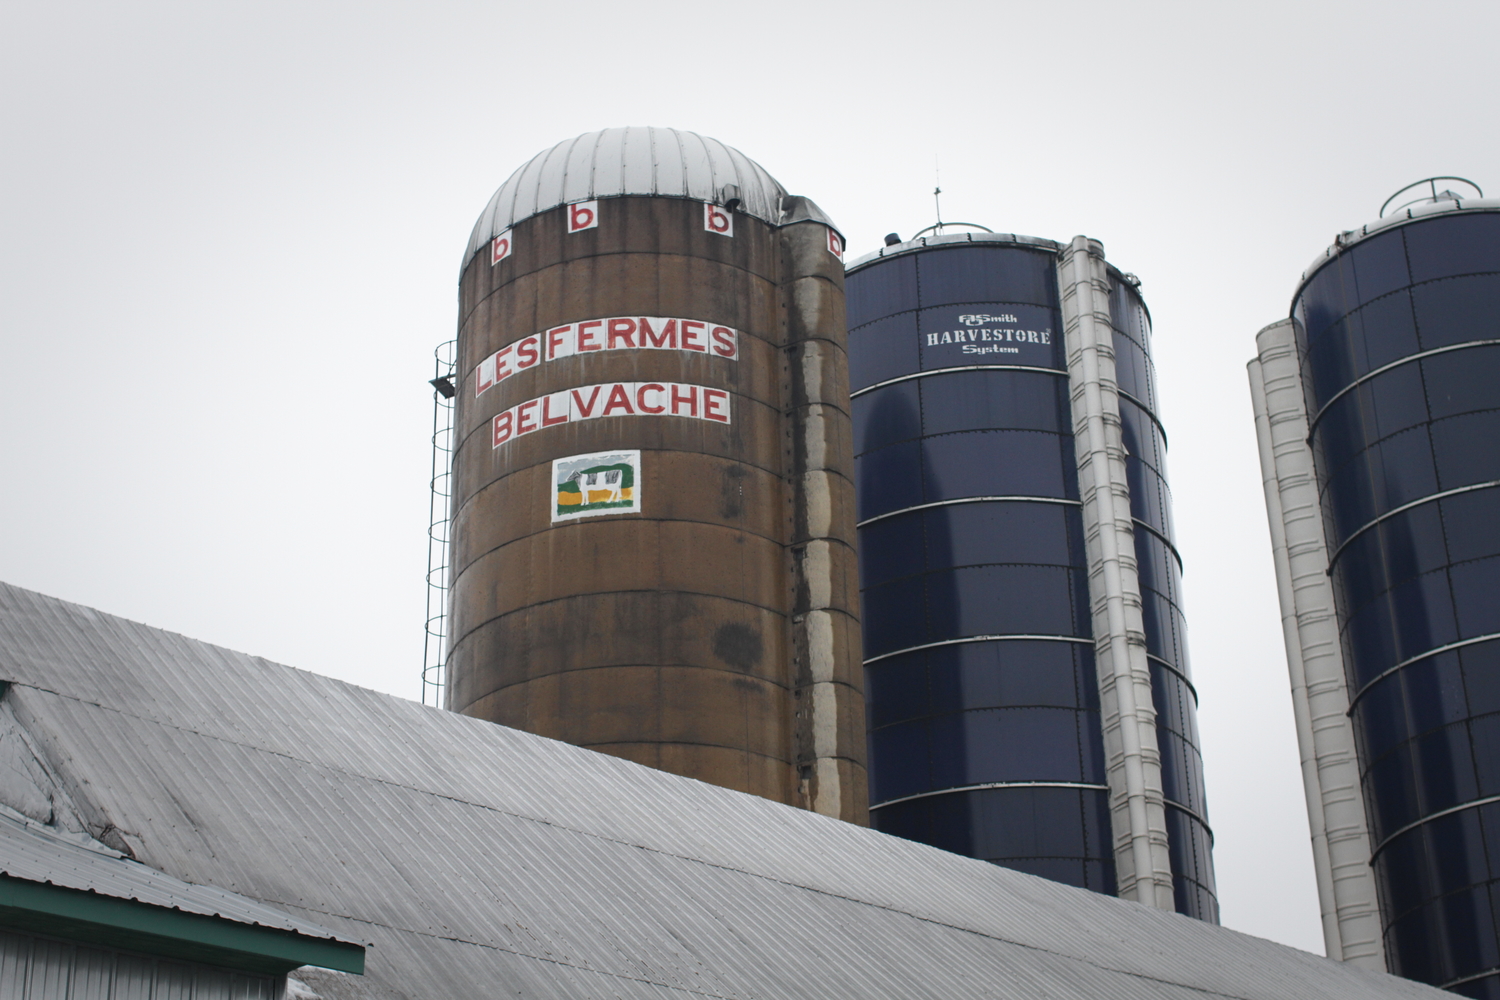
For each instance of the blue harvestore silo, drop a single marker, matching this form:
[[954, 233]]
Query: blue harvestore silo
[[1378, 407], [1029, 696]]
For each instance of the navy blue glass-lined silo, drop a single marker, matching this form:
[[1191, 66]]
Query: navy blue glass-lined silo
[[985, 726], [1399, 342], [1159, 566]]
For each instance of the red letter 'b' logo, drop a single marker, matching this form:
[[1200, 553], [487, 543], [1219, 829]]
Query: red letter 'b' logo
[[584, 215], [717, 220], [500, 248]]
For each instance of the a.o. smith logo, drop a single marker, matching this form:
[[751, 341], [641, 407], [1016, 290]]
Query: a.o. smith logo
[[982, 338]]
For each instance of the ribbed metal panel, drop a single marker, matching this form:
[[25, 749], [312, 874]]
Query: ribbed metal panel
[[36, 853], [485, 861], [38, 968], [614, 162]]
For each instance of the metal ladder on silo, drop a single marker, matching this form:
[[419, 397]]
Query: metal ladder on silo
[[435, 642]]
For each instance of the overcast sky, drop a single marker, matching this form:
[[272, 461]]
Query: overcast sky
[[232, 234]]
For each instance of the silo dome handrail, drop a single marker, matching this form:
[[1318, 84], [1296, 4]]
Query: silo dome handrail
[[1432, 183], [940, 226]]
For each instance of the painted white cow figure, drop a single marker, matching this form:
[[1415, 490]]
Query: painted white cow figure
[[589, 482]]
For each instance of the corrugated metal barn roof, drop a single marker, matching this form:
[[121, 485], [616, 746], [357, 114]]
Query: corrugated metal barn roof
[[35, 853], [482, 861]]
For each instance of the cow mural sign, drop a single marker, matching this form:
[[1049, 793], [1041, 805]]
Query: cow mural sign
[[603, 482]]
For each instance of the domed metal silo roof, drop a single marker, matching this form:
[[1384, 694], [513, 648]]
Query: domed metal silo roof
[[639, 160]]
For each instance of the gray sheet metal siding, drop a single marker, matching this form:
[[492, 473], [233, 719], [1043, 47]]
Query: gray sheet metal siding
[[1159, 569], [1401, 365], [40, 968], [480, 859], [982, 742]]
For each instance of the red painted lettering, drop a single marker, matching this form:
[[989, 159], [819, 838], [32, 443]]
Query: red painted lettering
[[716, 220], [668, 337], [716, 405], [835, 245], [500, 248], [584, 215], [547, 418], [691, 331], [585, 410], [619, 399], [527, 352], [484, 375], [501, 429], [690, 398], [622, 328], [557, 337], [640, 397], [724, 345], [502, 365], [525, 412], [586, 335]]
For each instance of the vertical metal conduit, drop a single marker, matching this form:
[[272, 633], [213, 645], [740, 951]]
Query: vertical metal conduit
[[439, 513], [1133, 761], [1320, 696]]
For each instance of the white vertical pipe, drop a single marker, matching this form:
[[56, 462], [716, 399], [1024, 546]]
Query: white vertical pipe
[[1143, 866], [1320, 695]]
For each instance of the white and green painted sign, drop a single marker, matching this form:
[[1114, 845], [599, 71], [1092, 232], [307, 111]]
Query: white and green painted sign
[[605, 482]]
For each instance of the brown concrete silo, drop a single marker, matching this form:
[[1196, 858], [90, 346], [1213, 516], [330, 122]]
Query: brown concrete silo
[[653, 507]]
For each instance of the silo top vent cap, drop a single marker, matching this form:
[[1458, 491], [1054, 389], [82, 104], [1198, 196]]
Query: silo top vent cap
[[1431, 194], [639, 160]]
